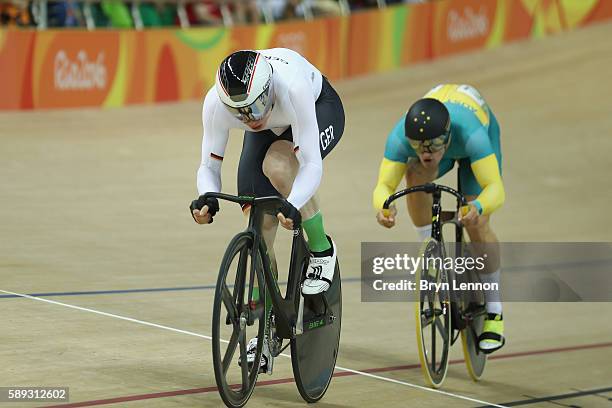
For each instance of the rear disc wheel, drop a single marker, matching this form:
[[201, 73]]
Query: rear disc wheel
[[314, 352]]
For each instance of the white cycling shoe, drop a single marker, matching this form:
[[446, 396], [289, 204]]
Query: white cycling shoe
[[320, 272], [252, 350]]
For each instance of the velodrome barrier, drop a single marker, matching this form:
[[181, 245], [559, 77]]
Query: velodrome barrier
[[105, 68]]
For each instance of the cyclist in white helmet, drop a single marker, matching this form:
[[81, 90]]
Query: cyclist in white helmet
[[292, 118]]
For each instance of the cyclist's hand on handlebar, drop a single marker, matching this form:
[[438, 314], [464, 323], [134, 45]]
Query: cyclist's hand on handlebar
[[287, 223], [289, 216], [203, 210], [202, 216], [469, 215], [386, 218]]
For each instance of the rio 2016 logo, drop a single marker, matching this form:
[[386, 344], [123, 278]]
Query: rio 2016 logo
[[467, 25], [81, 74]]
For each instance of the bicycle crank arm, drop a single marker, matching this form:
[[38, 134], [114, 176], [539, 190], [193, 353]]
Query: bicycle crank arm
[[299, 324]]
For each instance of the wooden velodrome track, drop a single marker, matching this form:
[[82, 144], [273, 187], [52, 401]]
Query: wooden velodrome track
[[94, 215]]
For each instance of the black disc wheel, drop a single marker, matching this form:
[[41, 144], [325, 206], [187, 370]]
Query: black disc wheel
[[314, 352]]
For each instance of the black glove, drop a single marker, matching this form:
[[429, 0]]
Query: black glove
[[289, 211], [212, 203]]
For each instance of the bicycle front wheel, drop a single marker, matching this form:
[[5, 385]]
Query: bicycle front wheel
[[433, 314], [236, 320]]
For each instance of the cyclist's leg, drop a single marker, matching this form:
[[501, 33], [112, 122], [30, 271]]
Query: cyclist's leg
[[330, 121], [419, 204], [485, 241], [280, 166], [268, 232], [268, 167], [482, 233], [253, 182]]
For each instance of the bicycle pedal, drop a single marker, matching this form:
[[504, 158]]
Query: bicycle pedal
[[266, 368]]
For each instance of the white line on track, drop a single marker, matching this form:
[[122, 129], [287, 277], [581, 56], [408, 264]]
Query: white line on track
[[419, 387], [172, 329], [129, 319]]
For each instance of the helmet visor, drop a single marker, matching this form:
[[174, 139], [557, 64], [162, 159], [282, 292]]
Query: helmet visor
[[431, 145], [257, 110]]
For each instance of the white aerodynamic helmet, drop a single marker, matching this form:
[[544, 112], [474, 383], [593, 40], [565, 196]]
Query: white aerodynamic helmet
[[244, 85]]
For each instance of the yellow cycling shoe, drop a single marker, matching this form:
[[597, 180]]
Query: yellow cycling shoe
[[492, 337]]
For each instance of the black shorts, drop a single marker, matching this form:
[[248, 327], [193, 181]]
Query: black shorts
[[330, 118]]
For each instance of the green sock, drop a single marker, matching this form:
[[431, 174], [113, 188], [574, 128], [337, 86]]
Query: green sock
[[255, 294], [317, 240]]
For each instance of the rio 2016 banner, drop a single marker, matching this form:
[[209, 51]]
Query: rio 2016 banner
[[52, 69], [462, 25], [57, 69]]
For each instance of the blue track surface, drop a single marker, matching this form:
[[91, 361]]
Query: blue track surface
[[344, 280]]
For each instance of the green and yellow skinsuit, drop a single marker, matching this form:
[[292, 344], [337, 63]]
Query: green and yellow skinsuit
[[475, 144]]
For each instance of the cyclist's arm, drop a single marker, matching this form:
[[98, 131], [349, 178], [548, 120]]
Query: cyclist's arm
[[486, 170], [493, 195], [214, 142], [305, 132], [390, 175], [393, 165]]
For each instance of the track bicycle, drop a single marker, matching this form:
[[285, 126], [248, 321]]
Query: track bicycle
[[248, 304], [441, 312]]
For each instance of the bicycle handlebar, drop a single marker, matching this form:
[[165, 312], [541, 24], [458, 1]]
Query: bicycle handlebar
[[246, 199], [429, 188]]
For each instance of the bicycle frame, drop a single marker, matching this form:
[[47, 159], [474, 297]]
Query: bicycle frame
[[466, 311], [440, 218], [285, 311]]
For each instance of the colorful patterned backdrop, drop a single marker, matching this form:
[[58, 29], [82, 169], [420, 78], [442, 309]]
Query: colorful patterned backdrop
[[53, 69]]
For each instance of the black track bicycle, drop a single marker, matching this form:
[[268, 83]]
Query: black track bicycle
[[441, 312], [248, 304]]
